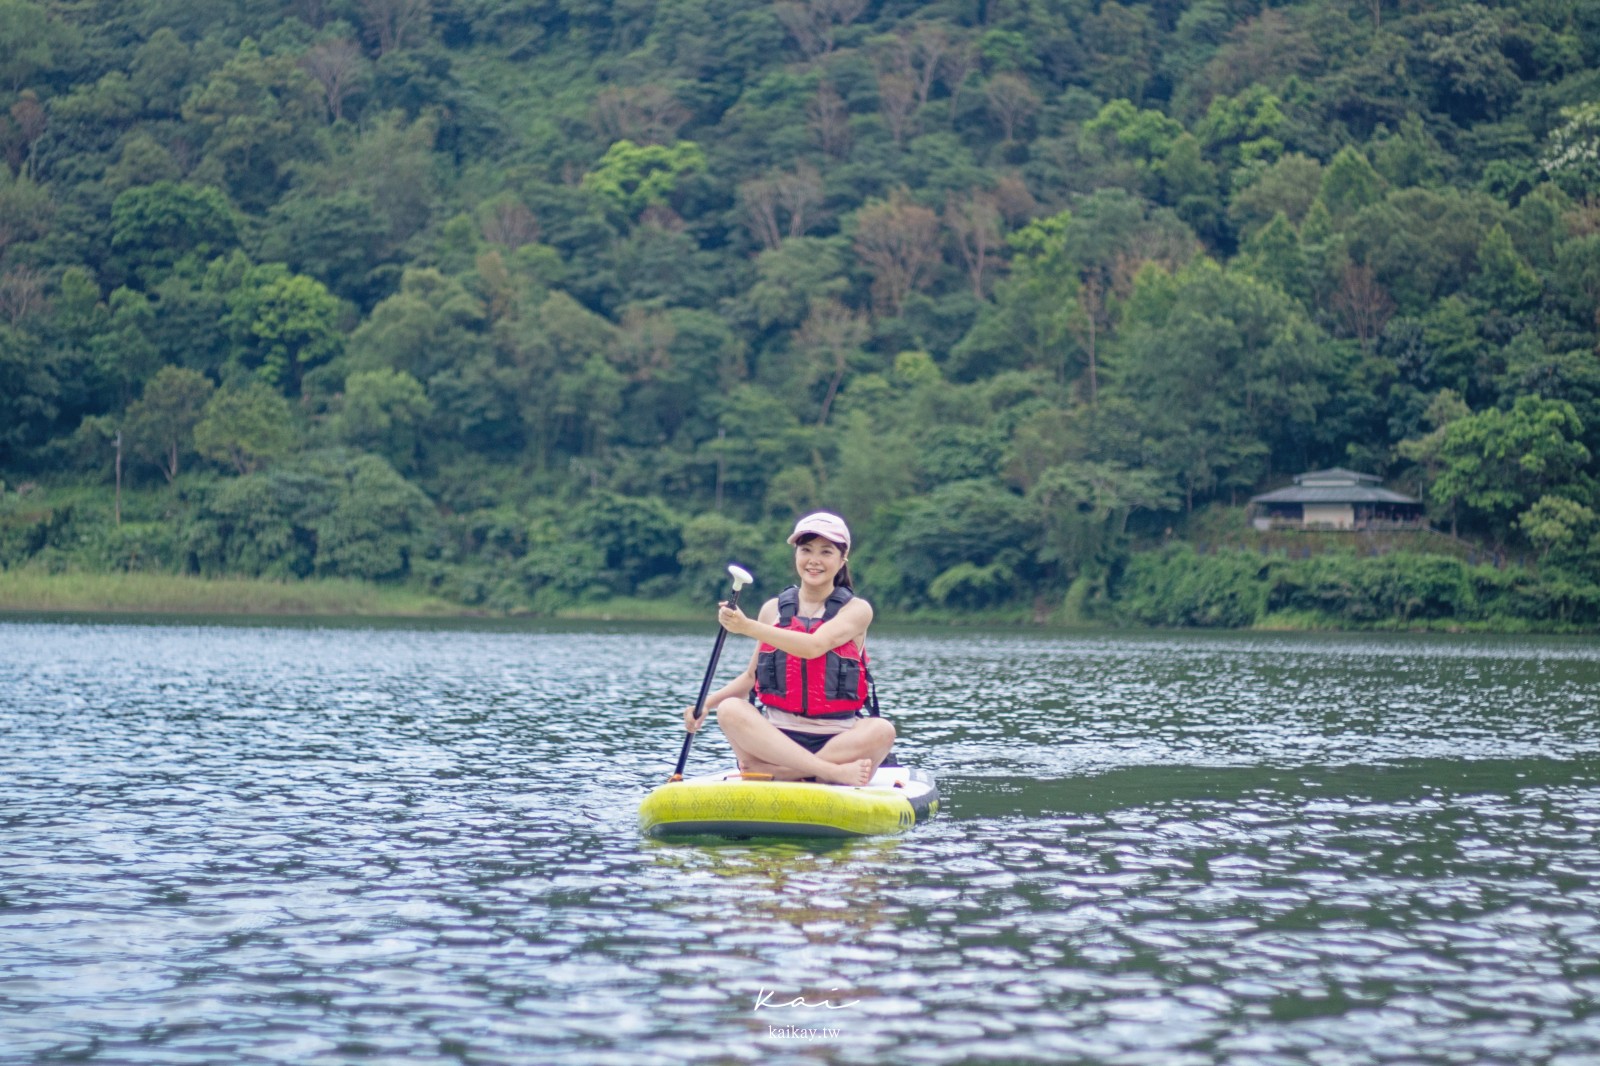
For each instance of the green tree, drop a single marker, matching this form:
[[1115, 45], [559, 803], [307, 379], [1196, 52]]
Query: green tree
[[1558, 527], [710, 543], [790, 277], [1532, 369], [1246, 129], [1572, 149], [1138, 138], [25, 210], [153, 226], [246, 427], [1190, 185], [332, 513], [77, 314], [1178, 587], [1111, 234], [1118, 40], [827, 344], [29, 393], [658, 264], [1349, 183], [142, 160], [630, 177], [125, 348], [1497, 463], [638, 538], [31, 41], [1275, 256], [1463, 61], [1504, 279], [1288, 187], [1427, 451], [431, 322], [1084, 508], [388, 165], [1576, 278], [1457, 355], [283, 324], [342, 240], [258, 113], [161, 72], [1411, 156], [385, 412], [1227, 376], [753, 435], [566, 391], [375, 524], [160, 424], [246, 526], [1038, 311], [976, 534], [1422, 245]]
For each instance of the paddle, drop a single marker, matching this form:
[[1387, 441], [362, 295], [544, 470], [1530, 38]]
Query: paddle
[[741, 578]]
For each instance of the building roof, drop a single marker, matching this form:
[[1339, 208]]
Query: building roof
[[1333, 494], [1336, 476], [1337, 485]]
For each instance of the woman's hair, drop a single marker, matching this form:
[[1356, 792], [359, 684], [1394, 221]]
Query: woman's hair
[[841, 580]]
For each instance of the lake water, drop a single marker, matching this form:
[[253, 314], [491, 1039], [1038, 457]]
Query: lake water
[[236, 844]]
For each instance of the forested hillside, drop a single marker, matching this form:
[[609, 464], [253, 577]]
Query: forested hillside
[[537, 302]]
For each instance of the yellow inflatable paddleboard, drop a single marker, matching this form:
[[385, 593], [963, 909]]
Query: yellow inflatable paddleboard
[[729, 804]]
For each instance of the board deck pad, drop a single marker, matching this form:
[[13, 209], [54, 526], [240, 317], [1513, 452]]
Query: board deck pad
[[727, 804]]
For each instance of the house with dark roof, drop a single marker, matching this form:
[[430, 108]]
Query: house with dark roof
[[1334, 500]]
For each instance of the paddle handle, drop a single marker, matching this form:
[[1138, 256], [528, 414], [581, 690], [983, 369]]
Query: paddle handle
[[705, 687]]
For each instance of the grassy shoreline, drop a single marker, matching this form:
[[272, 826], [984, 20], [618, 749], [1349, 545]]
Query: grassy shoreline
[[124, 593], [25, 592]]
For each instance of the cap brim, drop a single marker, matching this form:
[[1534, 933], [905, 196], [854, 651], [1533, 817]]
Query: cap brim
[[830, 537]]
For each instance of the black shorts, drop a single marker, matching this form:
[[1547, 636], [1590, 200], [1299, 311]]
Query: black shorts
[[812, 742]]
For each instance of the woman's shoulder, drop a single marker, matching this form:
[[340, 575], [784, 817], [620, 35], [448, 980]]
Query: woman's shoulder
[[858, 604]]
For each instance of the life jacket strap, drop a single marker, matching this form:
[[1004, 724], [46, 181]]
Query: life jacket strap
[[789, 604]]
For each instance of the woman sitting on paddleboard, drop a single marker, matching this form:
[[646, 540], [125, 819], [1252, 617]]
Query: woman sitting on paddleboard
[[808, 674]]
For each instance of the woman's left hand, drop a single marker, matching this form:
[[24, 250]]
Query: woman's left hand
[[732, 619]]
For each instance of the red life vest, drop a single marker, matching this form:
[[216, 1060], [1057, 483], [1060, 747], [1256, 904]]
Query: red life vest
[[833, 685]]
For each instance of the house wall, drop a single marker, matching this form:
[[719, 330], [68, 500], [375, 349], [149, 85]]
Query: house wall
[[1335, 515]]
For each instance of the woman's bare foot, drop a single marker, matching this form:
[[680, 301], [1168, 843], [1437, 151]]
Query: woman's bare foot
[[854, 772]]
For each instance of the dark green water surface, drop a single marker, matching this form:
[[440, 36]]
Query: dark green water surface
[[398, 845]]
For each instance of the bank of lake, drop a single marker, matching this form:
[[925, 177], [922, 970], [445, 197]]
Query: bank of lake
[[32, 592]]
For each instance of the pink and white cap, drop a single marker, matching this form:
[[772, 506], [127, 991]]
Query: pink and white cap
[[823, 524]]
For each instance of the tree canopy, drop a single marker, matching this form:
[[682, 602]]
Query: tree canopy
[[1019, 287]]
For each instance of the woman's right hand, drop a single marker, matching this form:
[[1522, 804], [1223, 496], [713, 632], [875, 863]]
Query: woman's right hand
[[690, 721]]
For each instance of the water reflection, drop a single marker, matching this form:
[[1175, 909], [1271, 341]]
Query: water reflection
[[326, 845]]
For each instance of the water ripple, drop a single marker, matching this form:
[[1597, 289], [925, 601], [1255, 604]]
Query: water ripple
[[282, 845]]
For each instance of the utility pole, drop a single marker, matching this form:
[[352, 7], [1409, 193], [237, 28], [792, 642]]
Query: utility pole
[[119, 477]]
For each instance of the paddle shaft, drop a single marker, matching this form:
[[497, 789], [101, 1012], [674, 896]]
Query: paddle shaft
[[705, 689]]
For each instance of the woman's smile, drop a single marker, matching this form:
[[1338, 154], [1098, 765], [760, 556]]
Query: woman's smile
[[817, 561]]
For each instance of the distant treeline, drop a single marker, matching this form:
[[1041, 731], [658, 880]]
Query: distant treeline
[[1238, 589], [543, 302]]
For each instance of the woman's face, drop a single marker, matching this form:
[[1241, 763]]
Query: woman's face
[[816, 561]]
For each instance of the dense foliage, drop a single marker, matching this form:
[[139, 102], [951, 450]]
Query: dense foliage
[[552, 300]]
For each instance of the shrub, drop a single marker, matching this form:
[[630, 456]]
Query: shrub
[[333, 514], [1177, 587]]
